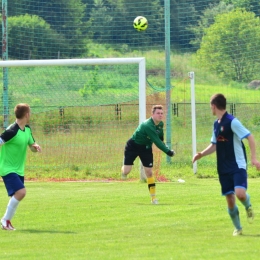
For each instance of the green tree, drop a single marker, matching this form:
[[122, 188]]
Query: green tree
[[64, 16], [231, 46], [101, 17], [30, 37], [185, 13], [206, 19], [239, 3], [113, 20], [249, 5]]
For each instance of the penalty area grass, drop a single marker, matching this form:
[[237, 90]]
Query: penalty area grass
[[115, 220]]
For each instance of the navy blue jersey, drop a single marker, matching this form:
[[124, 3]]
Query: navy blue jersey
[[230, 150]]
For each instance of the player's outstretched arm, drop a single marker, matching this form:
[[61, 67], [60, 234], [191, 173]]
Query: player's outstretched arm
[[210, 149]]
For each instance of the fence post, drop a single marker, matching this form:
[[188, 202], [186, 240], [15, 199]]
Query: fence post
[[118, 111]]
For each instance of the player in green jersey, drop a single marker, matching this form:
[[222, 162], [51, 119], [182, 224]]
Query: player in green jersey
[[140, 144], [14, 141]]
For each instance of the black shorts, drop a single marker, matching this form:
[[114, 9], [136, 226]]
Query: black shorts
[[133, 150]]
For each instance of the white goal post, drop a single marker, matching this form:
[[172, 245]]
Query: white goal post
[[82, 62], [105, 61], [193, 118]]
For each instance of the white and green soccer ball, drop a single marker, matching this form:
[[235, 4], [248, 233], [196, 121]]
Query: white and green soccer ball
[[140, 23]]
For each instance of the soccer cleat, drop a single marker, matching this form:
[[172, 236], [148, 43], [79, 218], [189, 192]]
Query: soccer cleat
[[155, 201], [7, 225], [250, 215], [237, 232], [124, 176]]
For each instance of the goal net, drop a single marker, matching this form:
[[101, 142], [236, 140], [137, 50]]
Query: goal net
[[83, 112]]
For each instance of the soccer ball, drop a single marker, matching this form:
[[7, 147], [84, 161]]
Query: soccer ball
[[140, 23]]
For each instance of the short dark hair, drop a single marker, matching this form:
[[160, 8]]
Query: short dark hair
[[21, 110], [156, 107], [219, 101]]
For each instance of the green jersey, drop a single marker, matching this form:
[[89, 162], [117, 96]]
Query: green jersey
[[148, 133], [14, 143]]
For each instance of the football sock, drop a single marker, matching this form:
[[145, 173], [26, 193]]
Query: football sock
[[246, 202], [11, 208], [234, 215], [151, 187]]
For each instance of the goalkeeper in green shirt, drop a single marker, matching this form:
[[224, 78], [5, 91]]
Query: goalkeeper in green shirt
[[14, 141], [140, 144]]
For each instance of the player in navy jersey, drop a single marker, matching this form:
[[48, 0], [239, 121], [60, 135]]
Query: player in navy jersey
[[14, 141], [226, 141], [140, 144]]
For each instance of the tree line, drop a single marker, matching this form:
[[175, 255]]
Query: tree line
[[39, 29]]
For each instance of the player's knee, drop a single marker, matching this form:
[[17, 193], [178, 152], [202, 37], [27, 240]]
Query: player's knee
[[126, 169], [20, 194], [148, 172], [241, 195]]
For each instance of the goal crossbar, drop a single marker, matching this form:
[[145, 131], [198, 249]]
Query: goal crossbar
[[98, 61], [68, 62], [79, 62]]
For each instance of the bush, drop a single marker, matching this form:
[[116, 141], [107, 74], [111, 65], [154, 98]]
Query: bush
[[30, 37]]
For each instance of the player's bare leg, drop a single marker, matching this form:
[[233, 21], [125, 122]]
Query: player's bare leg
[[125, 170]]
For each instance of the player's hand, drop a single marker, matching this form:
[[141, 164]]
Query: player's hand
[[196, 157], [171, 153], [256, 164], [37, 148]]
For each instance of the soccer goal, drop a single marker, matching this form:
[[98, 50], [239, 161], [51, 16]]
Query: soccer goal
[[83, 112]]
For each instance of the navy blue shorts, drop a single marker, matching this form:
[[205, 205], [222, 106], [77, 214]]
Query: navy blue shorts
[[133, 150], [13, 182], [231, 181]]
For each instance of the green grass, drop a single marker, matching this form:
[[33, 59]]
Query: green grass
[[115, 220]]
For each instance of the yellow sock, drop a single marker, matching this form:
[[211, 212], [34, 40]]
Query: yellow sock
[[151, 187]]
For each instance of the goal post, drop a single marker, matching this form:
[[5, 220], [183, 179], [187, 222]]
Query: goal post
[[18, 94], [193, 118], [105, 61]]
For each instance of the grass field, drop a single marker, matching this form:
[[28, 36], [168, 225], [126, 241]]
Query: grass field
[[115, 220]]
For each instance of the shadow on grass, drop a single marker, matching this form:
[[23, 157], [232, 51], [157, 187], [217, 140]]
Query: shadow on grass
[[46, 231], [150, 204], [249, 235]]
